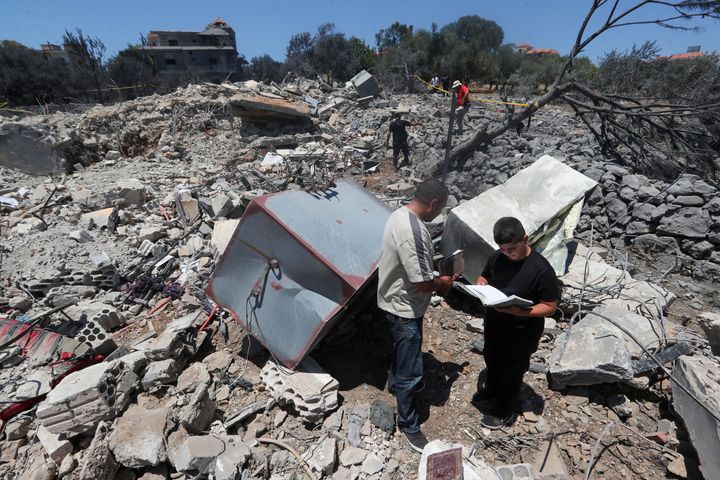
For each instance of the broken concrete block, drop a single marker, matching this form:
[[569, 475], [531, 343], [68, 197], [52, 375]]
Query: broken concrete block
[[310, 390], [98, 461], [95, 336], [322, 457], [107, 316], [37, 383], [700, 376], [199, 412], [187, 206], [105, 218], [56, 447], [84, 398], [382, 415], [131, 191], [365, 84], [113, 155], [518, 471], [161, 372], [371, 465], [217, 363], [253, 106], [222, 232], [9, 450], [138, 437], [710, 323], [194, 376], [590, 353], [20, 303], [645, 329]]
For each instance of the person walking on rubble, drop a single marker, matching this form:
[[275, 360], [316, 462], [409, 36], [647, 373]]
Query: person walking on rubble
[[462, 104], [406, 282], [512, 334], [397, 129]]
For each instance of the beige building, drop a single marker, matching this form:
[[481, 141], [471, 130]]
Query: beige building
[[211, 53]]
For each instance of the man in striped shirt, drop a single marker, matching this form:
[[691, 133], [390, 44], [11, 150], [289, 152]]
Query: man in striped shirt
[[405, 284]]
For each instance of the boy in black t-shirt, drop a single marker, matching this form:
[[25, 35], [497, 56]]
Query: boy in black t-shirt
[[400, 137], [512, 334]]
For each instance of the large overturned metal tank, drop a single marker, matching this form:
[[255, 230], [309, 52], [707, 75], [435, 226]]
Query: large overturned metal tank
[[296, 262]]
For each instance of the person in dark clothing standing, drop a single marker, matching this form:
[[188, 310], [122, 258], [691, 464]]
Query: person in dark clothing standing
[[400, 138], [512, 334]]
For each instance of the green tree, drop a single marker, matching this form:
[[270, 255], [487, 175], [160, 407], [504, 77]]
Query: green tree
[[133, 67], [265, 69]]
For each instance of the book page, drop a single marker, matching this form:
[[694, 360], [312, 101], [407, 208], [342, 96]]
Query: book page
[[486, 293]]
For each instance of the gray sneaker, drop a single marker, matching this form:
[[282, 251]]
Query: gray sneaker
[[416, 440]]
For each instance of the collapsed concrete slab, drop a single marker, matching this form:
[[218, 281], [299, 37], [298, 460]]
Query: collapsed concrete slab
[[288, 293], [260, 107], [700, 376], [84, 398], [309, 389], [546, 197], [590, 353]]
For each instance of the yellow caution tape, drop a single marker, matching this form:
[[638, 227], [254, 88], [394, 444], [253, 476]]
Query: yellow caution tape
[[515, 104]]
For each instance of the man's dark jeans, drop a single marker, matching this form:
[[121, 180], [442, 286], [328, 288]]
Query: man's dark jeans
[[407, 368]]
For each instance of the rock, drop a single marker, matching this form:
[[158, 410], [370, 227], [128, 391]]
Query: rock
[[159, 472], [229, 465], [322, 457], [637, 228], [67, 466], [105, 218], [382, 415], [39, 470], [9, 450], [152, 234], [56, 447], [677, 467], [161, 372], [710, 323], [701, 250], [17, 428], [81, 236], [197, 415], [193, 377], [84, 398], [356, 419], [138, 437], [372, 464], [309, 389], [113, 155], [689, 201], [217, 363], [621, 405], [98, 461], [352, 456], [131, 191], [475, 325], [687, 222], [689, 184], [700, 375], [20, 303]]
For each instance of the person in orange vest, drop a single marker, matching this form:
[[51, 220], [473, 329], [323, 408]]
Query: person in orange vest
[[463, 103]]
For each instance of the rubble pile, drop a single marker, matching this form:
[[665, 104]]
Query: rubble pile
[[116, 363]]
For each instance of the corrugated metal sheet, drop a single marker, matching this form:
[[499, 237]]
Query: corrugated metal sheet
[[295, 261]]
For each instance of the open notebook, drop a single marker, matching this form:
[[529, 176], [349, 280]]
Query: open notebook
[[491, 296]]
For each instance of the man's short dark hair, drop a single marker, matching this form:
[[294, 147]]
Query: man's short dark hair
[[430, 190], [508, 230]]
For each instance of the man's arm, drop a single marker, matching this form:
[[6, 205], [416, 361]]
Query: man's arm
[[540, 309], [387, 140], [438, 284]]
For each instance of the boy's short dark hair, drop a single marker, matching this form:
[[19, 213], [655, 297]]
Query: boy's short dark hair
[[430, 190], [508, 230]]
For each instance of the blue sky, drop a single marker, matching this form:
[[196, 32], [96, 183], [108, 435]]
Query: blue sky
[[266, 27]]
